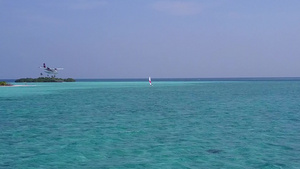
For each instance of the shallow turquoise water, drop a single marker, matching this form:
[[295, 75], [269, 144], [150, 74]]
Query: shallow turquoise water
[[232, 124]]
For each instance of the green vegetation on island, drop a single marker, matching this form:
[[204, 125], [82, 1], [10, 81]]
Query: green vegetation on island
[[2, 83], [45, 79]]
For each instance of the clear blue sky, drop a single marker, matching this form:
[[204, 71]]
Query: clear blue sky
[[158, 38]]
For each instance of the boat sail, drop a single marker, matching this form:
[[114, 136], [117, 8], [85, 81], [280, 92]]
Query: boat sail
[[150, 81]]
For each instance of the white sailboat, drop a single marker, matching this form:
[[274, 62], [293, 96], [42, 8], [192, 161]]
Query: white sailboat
[[150, 81]]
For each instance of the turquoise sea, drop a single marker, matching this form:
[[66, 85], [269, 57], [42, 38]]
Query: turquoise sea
[[173, 124]]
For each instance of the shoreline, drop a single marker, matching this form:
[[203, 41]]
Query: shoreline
[[17, 85], [44, 79]]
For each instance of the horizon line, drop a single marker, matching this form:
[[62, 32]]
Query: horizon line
[[184, 78]]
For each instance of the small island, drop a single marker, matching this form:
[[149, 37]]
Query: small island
[[44, 79], [2, 83]]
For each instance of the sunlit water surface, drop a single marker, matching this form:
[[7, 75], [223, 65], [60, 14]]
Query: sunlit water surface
[[173, 124]]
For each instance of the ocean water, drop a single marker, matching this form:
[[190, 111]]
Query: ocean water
[[173, 124]]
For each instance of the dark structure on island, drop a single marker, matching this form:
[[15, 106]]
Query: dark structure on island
[[45, 79]]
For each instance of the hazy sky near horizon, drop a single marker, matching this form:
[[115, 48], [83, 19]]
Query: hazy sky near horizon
[[158, 38]]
